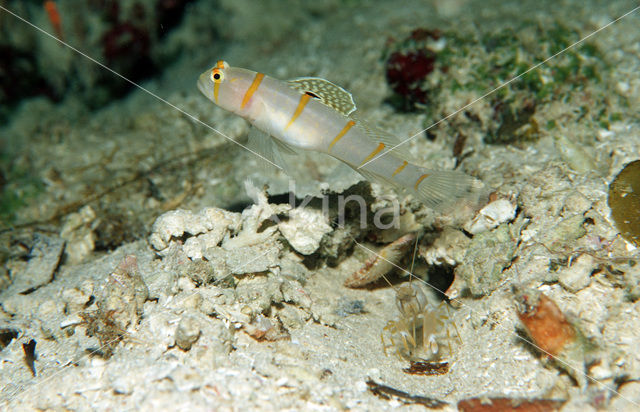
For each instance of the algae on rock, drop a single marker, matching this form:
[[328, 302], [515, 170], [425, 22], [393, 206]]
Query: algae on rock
[[488, 254]]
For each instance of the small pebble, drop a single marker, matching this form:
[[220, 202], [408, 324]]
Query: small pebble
[[188, 332]]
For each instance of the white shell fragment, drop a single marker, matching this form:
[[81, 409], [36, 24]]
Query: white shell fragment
[[491, 216], [304, 229], [577, 276]]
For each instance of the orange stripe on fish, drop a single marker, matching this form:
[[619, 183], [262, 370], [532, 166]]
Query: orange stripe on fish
[[373, 154], [399, 169], [216, 91], [54, 17], [252, 89], [340, 135], [420, 179], [304, 99], [217, 76]]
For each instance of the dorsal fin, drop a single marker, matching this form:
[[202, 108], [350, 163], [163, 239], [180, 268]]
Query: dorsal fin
[[326, 92]]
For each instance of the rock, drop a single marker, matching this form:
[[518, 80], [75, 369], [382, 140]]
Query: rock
[[259, 292], [628, 397], [449, 248], [293, 292], [78, 232], [564, 233], [292, 317], [487, 256], [188, 332], [245, 259], [575, 155], [632, 282], [76, 298], [215, 343], [304, 229], [578, 275], [161, 283], [43, 261], [212, 224], [255, 227]]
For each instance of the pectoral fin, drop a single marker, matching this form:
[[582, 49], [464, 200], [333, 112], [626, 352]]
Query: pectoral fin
[[271, 149]]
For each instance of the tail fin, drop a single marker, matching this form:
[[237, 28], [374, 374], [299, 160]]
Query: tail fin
[[437, 189], [442, 189]]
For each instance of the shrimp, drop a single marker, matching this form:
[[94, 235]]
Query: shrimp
[[420, 330]]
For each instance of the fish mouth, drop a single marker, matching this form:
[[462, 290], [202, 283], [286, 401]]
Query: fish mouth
[[202, 83]]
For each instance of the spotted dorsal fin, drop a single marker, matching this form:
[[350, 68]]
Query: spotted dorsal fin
[[326, 92]]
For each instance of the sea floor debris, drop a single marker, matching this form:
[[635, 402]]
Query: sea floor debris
[[387, 392]]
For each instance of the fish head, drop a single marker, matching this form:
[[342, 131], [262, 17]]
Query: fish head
[[225, 85]]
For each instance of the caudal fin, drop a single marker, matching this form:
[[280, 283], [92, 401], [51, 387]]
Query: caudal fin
[[442, 189], [437, 189]]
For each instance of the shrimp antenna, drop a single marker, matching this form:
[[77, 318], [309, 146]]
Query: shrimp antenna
[[413, 260]]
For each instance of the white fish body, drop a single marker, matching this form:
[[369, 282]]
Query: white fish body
[[314, 114]]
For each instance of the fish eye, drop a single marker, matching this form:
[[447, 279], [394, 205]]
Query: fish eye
[[217, 76]]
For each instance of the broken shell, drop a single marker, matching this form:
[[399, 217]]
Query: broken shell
[[545, 323], [578, 275], [552, 333], [492, 215], [381, 263]]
